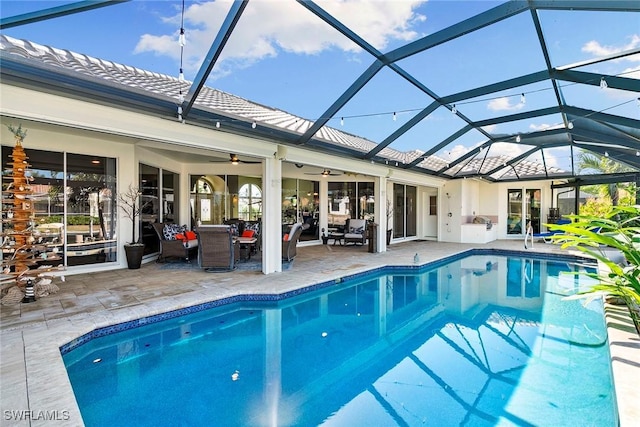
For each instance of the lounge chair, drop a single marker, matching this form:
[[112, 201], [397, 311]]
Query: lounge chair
[[217, 249], [355, 231], [546, 237], [173, 247]]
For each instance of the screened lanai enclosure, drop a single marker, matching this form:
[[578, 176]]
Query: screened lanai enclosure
[[501, 91]]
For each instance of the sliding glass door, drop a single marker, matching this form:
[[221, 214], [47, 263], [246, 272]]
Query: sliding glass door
[[404, 211], [523, 210]]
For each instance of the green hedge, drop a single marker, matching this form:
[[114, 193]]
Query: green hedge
[[71, 220]]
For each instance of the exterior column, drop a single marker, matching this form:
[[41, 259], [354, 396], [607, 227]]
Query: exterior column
[[272, 216], [323, 222], [380, 213]]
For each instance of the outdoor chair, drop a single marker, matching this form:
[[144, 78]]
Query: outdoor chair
[[290, 241], [217, 248], [172, 246], [355, 231]]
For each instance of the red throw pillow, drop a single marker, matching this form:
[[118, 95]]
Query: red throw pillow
[[248, 233], [190, 235], [285, 237], [180, 236]]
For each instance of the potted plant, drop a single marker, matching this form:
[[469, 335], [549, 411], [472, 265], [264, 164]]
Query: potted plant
[[129, 202], [389, 228], [618, 276]]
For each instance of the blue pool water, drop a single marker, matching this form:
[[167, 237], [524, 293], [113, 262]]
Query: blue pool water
[[483, 340]]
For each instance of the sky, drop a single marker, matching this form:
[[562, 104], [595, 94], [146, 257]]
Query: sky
[[282, 56]]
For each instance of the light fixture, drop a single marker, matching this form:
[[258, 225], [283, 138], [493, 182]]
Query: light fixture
[[326, 172], [181, 97], [606, 154], [234, 159], [253, 125], [637, 153], [182, 39], [454, 110], [523, 100], [394, 116], [95, 161], [570, 125], [341, 121], [518, 139], [603, 83], [217, 125], [179, 113], [181, 75]]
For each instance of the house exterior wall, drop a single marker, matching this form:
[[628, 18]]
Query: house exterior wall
[[464, 199], [58, 123]]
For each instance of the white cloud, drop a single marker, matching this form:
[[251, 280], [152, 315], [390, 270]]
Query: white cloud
[[504, 104], [598, 50], [543, 126], [507, 149], [269, 27]]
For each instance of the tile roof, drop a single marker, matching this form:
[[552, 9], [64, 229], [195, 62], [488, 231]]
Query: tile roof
[[230, 106]]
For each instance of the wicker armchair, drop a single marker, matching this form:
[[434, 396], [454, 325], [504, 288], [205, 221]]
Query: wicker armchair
[[217, 250], [173, 248], [289, 246]]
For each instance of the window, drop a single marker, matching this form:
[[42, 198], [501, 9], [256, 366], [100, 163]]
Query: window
[[522, 211], [300, 203], [159, 202], [250, 202], [208, 199], [514, 212], [350, 200], [404, 211], [83, 186], [217, 198], [433, 205]]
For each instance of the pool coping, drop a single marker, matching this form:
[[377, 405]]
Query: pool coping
[[38, 358]]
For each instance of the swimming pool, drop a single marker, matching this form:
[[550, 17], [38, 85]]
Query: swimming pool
[[480, 340]]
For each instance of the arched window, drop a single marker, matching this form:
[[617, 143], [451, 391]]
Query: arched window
[[250, 202]]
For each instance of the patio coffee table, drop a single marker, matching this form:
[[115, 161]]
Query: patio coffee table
[[247, 245], [337, 238]]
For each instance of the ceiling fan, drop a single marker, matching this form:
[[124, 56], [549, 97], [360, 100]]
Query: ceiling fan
[[234, 160], [325, 172]]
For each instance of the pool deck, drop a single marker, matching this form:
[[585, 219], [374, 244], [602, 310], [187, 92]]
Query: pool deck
[[33, 382]]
